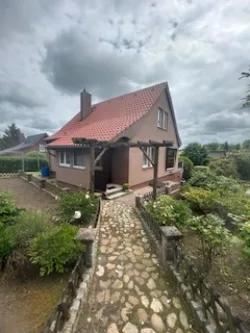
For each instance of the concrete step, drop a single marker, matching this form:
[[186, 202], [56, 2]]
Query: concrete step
[[116, 189], [116, 195]]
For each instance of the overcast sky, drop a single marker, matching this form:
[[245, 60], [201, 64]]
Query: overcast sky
[[51, 50]]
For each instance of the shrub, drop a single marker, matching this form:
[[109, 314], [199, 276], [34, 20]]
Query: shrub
[[243, 165], [54, 249], [202, 200], [27, 227], [125, 187], [78, 201], [168, 211], [213, 237], [36, 154], [188, 167], [8, 209], [245, 235], [10, 164], [224, 167], [5, 247]]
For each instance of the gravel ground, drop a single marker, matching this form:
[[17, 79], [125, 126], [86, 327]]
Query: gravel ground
[[27, 195]]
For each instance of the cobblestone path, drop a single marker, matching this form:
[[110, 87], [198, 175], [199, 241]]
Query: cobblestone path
[[129, 294]]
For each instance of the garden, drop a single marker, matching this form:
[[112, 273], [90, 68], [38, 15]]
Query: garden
[[213, 213], [38, 248]]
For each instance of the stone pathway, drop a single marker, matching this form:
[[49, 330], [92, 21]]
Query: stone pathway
[[129, 294]]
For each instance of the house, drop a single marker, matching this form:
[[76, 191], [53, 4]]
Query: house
[[217, 154], [143, 115], [31, 143]]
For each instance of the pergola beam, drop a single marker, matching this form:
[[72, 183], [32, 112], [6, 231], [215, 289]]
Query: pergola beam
[[86, 143]]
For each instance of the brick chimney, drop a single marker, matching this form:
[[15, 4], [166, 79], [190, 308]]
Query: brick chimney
[[85, 104]]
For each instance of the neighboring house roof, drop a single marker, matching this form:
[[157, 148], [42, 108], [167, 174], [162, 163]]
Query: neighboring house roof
[[29, 142], [109, 119]]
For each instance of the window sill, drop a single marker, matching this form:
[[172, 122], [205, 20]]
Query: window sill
[[64, 165], [79, 167], [162, 128], [147, 167]]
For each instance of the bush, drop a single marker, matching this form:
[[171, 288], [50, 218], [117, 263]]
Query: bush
[[125, 186], [224, 167], [36, 154], [188, 167], [202, 200], [54, 249], [5, 247], [168, 211], [10, 164], [27, 227], [243, 165], [245, 235], [213, 237], [78, 201], [8, 209]]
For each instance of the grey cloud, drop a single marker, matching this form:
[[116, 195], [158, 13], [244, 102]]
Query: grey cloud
[[19, 96], [43, 124], [20, 16], [74, 61]]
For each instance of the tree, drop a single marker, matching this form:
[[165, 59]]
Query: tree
[[246, 104], [196, 153], [11, 137], [212, 146], [188, 167], [246, 144]]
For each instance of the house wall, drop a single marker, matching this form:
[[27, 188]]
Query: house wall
[[120, 165], [71, 175], [144, 130]]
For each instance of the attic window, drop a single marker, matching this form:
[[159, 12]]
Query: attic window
[[162, 119]]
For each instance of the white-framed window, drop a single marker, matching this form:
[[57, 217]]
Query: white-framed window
[[162, 119], [151, 153], [78, 160], [64, 158]]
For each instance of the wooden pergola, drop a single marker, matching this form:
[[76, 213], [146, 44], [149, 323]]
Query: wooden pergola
[[123, 142]]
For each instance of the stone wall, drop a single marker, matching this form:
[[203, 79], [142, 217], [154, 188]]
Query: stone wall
[[210, 313]]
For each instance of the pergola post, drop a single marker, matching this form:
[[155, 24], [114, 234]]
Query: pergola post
[[156, 159], [92, 169]]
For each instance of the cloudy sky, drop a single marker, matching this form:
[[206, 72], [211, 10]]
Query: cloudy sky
[[51, 50]]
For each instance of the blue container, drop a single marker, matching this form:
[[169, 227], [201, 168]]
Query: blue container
[[45, 171]]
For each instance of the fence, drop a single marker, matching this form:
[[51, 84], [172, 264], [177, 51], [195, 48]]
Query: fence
[[205, 304], [61, 313]]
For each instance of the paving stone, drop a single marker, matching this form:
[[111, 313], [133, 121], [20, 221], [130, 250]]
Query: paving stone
[[105, 284], [131, 285], [124, 314], [115, 296], [113, 328], [157, 323], [133, 300], [156, 305], [177, 302], [171, 320], [103, 249], [165, 301], [104, 241], [140, 280], [151, 284], [130, 328], [179, 330], [139, 266], [145, 301], [184, 320], [112, 258], [118, 284], [126, 278], [145, 275], [100, 297], [100, 270], [136, 273], [142, 315]]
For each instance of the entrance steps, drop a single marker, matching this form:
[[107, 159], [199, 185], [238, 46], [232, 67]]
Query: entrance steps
[[114, 191]]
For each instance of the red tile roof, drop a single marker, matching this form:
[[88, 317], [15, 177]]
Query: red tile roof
[[109, 118]]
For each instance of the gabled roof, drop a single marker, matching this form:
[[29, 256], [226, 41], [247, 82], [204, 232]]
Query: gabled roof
[[110, 118], [29, 142]]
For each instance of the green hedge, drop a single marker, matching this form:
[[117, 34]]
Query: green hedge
[[13, 164]]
